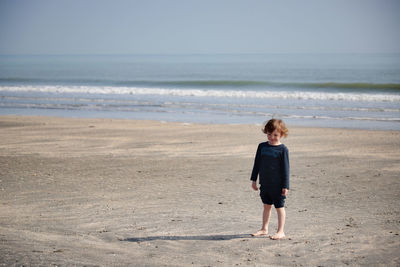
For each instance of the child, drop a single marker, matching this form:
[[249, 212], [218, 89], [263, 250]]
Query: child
[[271, 164]]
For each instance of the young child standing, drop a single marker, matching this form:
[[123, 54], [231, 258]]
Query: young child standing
[[271, 165]]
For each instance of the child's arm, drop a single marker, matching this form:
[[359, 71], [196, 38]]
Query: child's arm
[[285, 191], [286, 170], [256, 169], [254, 186]]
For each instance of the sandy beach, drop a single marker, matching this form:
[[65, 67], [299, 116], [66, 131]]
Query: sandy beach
[[105, 192]]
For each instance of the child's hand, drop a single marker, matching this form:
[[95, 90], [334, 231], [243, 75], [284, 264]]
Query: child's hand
[[254, 186], [284, 191]]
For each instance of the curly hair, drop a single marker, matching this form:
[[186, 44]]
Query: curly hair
[[276, 124]]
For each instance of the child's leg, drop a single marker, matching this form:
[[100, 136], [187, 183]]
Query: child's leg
[[266, 216], [281, 224]]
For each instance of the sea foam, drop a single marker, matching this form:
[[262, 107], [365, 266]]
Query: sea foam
[[267, 94]]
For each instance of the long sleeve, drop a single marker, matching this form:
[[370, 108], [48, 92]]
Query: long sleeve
[[285, 169], [256, 167]]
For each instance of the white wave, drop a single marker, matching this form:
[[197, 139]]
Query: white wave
[[207, 93]]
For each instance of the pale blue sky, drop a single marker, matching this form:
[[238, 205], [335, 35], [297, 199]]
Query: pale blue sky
[[203, 26]]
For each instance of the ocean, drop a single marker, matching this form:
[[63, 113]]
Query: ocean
[[355, 91]]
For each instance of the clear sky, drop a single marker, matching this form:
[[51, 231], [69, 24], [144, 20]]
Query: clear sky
[[202, 26]]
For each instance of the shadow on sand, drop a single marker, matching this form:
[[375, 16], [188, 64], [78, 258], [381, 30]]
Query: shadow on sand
[[187, 237]]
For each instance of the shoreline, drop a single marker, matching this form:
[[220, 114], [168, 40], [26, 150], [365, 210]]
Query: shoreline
[[132, 192], [289, 122]]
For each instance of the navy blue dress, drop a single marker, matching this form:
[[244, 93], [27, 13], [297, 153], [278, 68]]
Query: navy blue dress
[[271, 165]]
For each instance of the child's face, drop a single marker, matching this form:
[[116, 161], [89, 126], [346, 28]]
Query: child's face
[[274, 137]]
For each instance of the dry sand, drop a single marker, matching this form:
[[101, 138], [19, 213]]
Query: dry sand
[[143, 193]]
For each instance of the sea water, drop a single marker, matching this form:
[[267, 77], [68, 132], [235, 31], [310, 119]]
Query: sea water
[[339, 90]]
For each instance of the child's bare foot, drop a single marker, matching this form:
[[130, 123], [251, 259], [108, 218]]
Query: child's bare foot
[[260, 233], [278, 236]]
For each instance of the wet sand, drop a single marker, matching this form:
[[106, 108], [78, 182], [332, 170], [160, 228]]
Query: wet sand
[[145, 193]]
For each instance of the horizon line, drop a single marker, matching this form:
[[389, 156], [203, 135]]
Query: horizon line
[[200, 54]]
